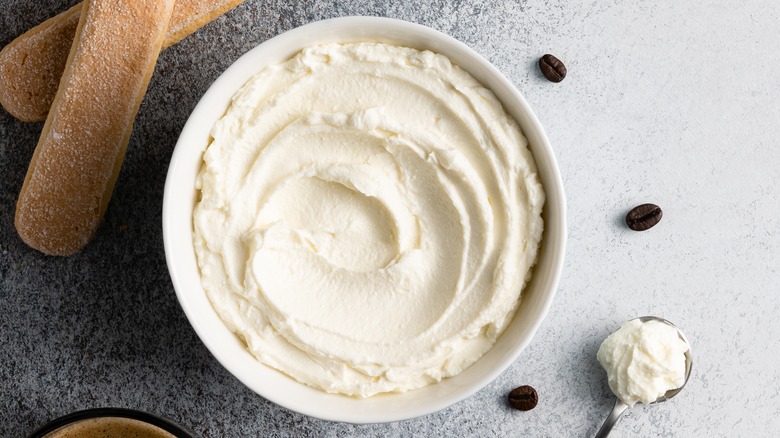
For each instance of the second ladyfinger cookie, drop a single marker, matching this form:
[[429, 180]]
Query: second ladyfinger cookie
[[32, 64]]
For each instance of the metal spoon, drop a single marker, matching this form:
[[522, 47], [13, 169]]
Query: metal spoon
[[617, 411]]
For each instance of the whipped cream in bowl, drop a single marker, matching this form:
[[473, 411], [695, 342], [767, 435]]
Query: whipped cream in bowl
[[371, 236]]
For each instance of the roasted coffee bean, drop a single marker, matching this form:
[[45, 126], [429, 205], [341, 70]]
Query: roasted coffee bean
[[644, 217], [523, 398], [552, 68]]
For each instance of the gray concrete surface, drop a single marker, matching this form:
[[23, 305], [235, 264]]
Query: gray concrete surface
[[668, 102]]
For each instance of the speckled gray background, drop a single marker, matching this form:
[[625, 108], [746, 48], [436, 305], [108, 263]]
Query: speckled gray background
[[673, 103]]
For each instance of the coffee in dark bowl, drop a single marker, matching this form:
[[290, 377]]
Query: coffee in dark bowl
[[110, 423]]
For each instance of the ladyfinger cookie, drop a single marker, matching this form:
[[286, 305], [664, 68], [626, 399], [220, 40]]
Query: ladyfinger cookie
[[78, 157], [32, 64]]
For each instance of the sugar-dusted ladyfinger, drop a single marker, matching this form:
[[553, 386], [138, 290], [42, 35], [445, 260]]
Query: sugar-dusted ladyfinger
[[82, 145]]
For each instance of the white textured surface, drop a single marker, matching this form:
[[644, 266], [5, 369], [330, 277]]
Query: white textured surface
[[674, 103]]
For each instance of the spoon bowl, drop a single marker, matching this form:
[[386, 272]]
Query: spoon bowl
[[620, 407]]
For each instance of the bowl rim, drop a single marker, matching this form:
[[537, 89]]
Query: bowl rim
[[553, 244]]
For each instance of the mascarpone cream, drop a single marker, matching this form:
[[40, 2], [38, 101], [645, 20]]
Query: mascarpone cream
[[643, 361], [369, 215]]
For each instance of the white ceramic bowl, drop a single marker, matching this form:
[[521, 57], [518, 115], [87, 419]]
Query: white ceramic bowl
[[180, 196]]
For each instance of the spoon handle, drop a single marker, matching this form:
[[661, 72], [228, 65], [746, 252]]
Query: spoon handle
[[612, 419]]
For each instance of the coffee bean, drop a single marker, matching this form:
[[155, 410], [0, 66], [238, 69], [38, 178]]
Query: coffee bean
[[644, 217], [523, 398], [552, 68]]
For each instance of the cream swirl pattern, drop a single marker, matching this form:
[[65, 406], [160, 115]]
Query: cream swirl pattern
[[368, 217]]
